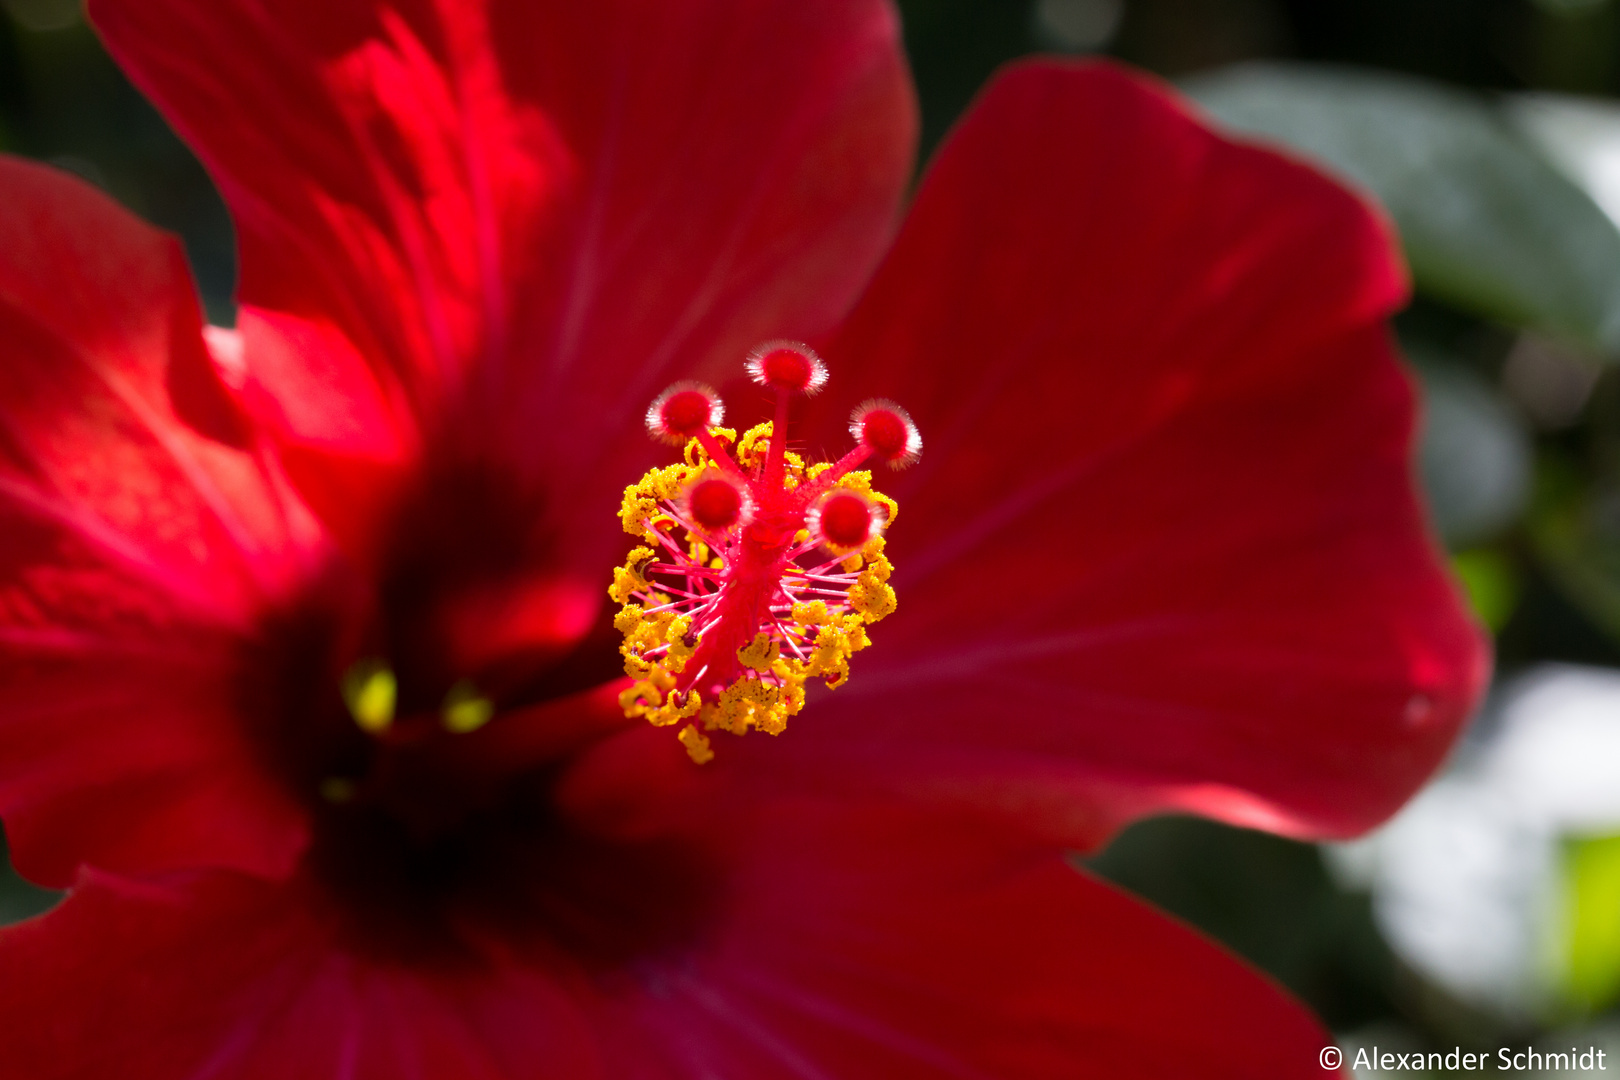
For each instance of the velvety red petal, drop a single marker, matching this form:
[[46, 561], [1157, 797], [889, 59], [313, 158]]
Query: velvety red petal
[[219, 975], [139, 538], [509, 224], [881, 942], [852, 942], [1162, 549]]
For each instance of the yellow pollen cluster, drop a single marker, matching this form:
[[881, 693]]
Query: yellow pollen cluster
[[677, 592]]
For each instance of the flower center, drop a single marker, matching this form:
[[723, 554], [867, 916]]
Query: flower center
[[756, 573]]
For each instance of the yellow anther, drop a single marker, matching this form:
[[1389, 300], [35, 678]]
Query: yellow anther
[[465, 711], [675, 637], [697, 744], [371, 692], [628, 579], [641, 511], [673, 711], [749, 702], [872, 598], [830, 658], [855, 627], [628, 618], [760, 653], [814, 613], [792, 675], [878, 562], [871, 594], [754, 445]]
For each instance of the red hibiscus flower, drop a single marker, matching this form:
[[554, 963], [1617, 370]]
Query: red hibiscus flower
[[313, 687]]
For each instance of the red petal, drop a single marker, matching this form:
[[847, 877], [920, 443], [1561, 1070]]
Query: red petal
[[510, 224], [855, 942], [138, 541], [874, 942], [221, 975], [1162, 549]]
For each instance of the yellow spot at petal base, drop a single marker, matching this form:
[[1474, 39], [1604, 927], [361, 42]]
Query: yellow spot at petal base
[[336, 789], [371, 693], [464, 710]]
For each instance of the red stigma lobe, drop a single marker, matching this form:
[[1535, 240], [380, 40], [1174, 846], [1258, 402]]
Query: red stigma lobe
[[682, 411], [886, 430], [844, 520], [787, 367], [714, 504]]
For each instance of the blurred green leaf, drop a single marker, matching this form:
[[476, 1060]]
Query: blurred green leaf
[[1475, 456], [1492, 584], [1592, 889], [1575, 532], [1487, 224]]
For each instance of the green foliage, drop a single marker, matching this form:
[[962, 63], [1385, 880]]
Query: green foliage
[[1475, 457], [1486, 223], [1575, 540], [1592, 892], [1492, 583]]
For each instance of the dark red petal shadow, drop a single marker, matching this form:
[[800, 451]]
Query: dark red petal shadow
[[853, 942], [139, 538], [1163, 548], [509, 224], [222, 975]]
